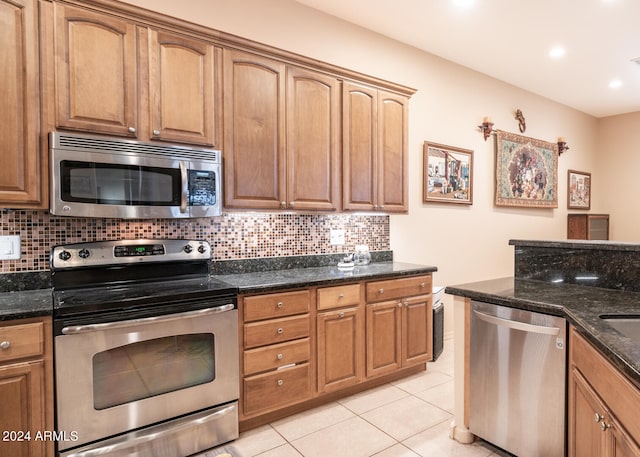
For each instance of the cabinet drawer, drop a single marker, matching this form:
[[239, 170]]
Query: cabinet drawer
[[276, 355], [275, 331], [276, 389], [338, 296], [398, 288], [21, 340], [276, 305]]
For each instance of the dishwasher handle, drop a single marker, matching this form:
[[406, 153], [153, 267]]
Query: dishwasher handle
[[517, 325]]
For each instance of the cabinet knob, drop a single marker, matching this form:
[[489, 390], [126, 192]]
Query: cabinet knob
[[291, 204], [5, 345], [279, 304], [132, 130], [399, 304], [381, 207], [279, 357], [604, 426], [380, 291], [283, 205], [406, 303], [280, 382], [341, 314], [156, 132], [280, 331], [598, 417], [423, 285], [341, 296]]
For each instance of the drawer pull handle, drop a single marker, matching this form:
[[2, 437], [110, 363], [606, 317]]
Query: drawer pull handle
[[380, 291], [280, 331], [279, 357], [341, 296], [280, 304], [5, 344], [280, 382]]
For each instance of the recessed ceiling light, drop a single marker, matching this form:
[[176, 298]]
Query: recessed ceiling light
[[557, 52], [615, 84]]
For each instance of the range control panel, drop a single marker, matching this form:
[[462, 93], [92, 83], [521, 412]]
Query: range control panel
[[102, 253]]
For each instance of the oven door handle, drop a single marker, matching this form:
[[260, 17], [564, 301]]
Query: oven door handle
[[77, 329]]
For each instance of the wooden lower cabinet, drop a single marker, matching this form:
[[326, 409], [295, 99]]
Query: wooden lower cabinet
[[340, 349], [603, 405], [26, 379], [302, 348]]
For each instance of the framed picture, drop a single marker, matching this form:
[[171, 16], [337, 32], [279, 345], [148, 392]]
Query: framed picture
[[448, 174], [526, 171], [578, 190]]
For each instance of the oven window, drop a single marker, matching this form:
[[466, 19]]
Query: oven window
[[154, 367], [115, 184]]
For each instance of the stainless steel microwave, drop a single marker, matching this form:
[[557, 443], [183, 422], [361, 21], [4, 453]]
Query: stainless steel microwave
[[94, 176]]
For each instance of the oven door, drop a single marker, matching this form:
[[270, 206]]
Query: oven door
[[118, 376]]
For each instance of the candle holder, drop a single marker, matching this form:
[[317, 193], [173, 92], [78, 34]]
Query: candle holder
[[486, 127], [562, 146]]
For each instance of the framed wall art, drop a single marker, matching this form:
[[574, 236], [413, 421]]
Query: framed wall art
[[448, 174], [578, 190], [526, 171]]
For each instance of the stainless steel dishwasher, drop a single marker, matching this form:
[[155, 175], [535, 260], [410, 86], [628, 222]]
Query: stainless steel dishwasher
[[517, 380]]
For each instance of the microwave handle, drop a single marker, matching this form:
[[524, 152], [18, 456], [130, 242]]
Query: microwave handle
[[184, 176]]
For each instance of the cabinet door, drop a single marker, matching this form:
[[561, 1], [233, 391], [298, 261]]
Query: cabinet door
[[254, 108], [22, 400], [182, 89], [416, 330], [21, 171], [96, 72], [586, 439], [359, 147], [392, 147], [384, 341], [621, 443], [313, 172], [340, 349]]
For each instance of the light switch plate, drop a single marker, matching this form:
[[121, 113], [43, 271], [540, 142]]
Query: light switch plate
[[336, 237], [10, 247]]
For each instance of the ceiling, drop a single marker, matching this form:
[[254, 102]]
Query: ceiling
[[510, 40]]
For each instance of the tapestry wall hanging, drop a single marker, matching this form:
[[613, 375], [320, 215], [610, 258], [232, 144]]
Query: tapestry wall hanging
[[526, 171]]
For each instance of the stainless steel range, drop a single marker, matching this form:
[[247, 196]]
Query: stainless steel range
[[146, 349]]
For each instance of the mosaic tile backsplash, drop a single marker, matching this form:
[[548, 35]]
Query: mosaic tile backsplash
[[242, 235]]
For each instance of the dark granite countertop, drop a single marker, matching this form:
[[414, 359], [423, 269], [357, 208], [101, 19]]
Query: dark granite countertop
[[581, 305], [33, 303], [25, 303], [266, 281], [596, 245]]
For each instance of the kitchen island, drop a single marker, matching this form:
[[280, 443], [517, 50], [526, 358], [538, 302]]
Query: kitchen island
[[580, 281]]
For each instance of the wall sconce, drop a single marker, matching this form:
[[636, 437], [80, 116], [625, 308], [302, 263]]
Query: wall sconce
[[486, 127], [562, 145]]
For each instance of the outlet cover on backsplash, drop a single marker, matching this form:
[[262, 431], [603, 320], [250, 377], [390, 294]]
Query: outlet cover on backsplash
[[237, 235]]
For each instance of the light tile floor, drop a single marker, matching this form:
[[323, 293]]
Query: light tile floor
[[406, 418]]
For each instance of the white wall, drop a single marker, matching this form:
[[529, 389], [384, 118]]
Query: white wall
[[466, 243], [615, 180]]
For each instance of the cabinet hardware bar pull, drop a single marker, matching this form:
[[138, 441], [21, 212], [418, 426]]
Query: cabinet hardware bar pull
[[517, 325]]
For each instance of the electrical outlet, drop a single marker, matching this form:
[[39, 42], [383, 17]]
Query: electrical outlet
[[336, 237], [10, 247]]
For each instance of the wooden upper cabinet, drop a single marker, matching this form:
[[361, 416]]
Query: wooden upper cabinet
[[182, 89], [21, 171], [313, 148], [374, 149], [254, 107], [96, 72], [393, 120]]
